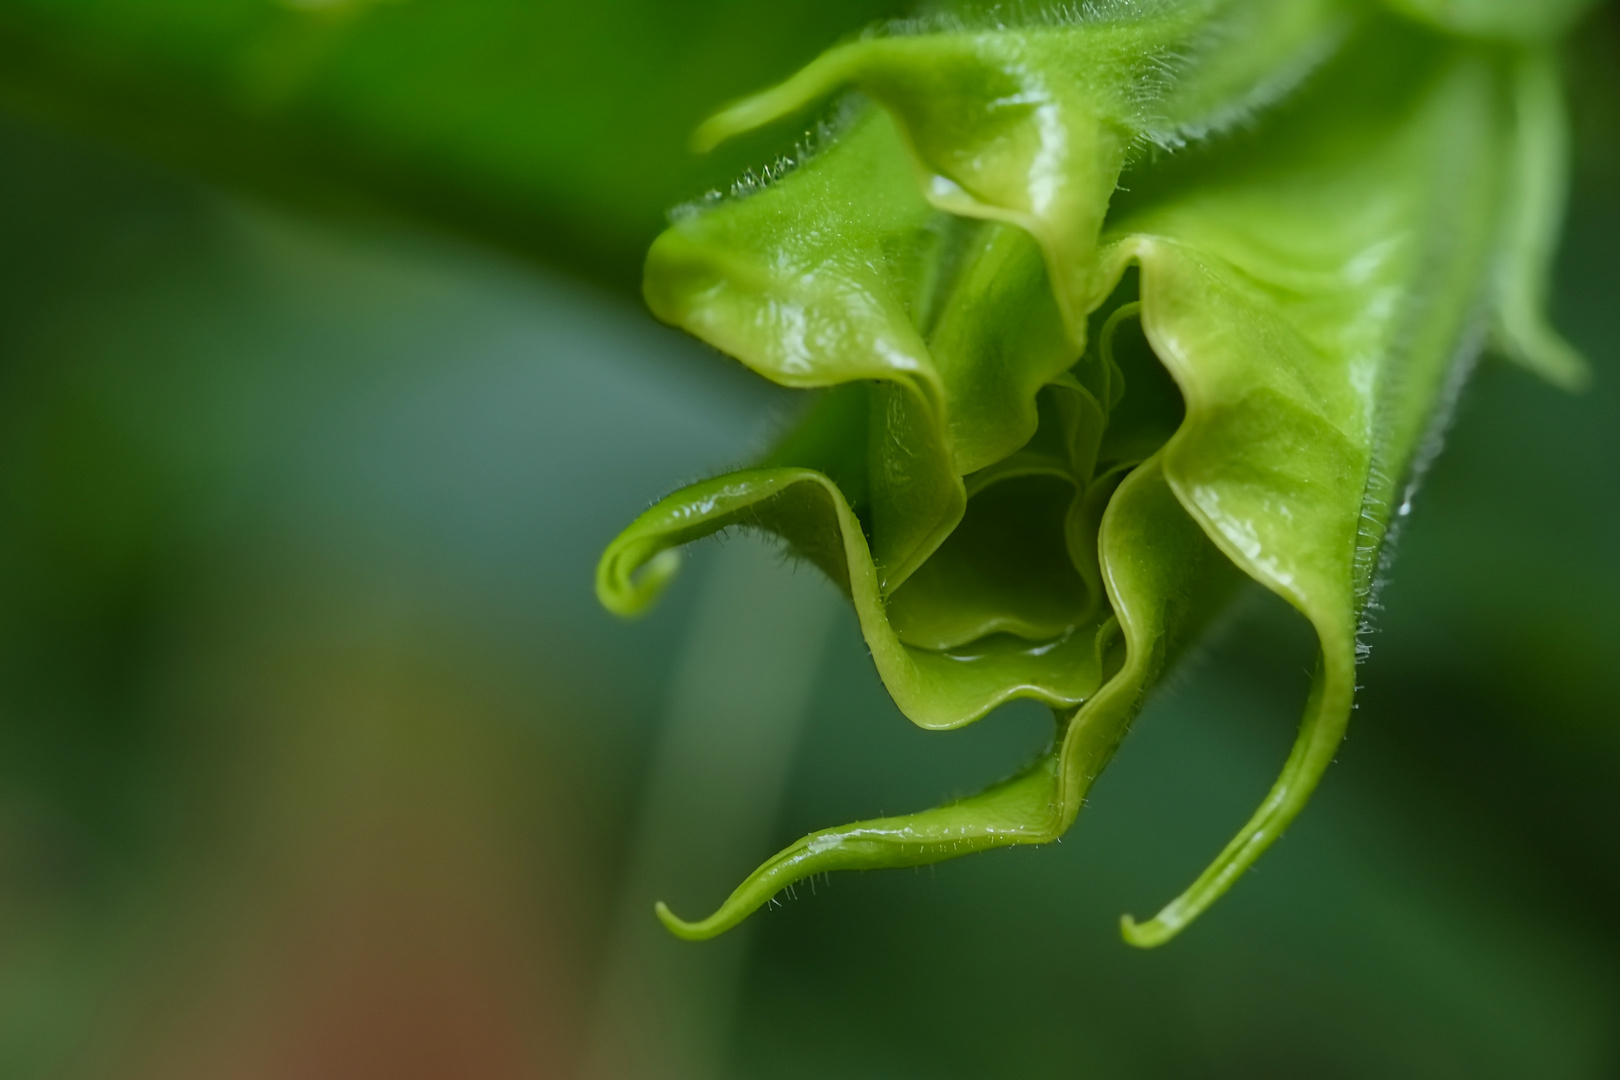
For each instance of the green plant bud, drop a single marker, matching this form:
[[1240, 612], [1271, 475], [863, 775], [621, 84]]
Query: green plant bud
[[1107, 312]]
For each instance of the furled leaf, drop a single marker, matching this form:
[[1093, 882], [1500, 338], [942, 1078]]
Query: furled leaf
[[1323, 207]]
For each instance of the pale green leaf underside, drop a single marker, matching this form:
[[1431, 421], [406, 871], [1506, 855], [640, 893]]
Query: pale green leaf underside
[[1010, 508]]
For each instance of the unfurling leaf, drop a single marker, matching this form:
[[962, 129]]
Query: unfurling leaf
[[1106, 312]]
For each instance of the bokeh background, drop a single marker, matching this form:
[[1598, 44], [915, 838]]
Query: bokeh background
[[323, 381]]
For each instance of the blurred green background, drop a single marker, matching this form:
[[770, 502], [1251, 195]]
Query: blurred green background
[[323, 381]]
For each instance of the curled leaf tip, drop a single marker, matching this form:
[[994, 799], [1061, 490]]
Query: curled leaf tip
[[628, 582], [686, 931], [1160, 929], [1320, 733], [1151, 934]]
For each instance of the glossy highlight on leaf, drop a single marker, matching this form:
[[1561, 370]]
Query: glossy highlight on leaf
[[1108, 311]]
